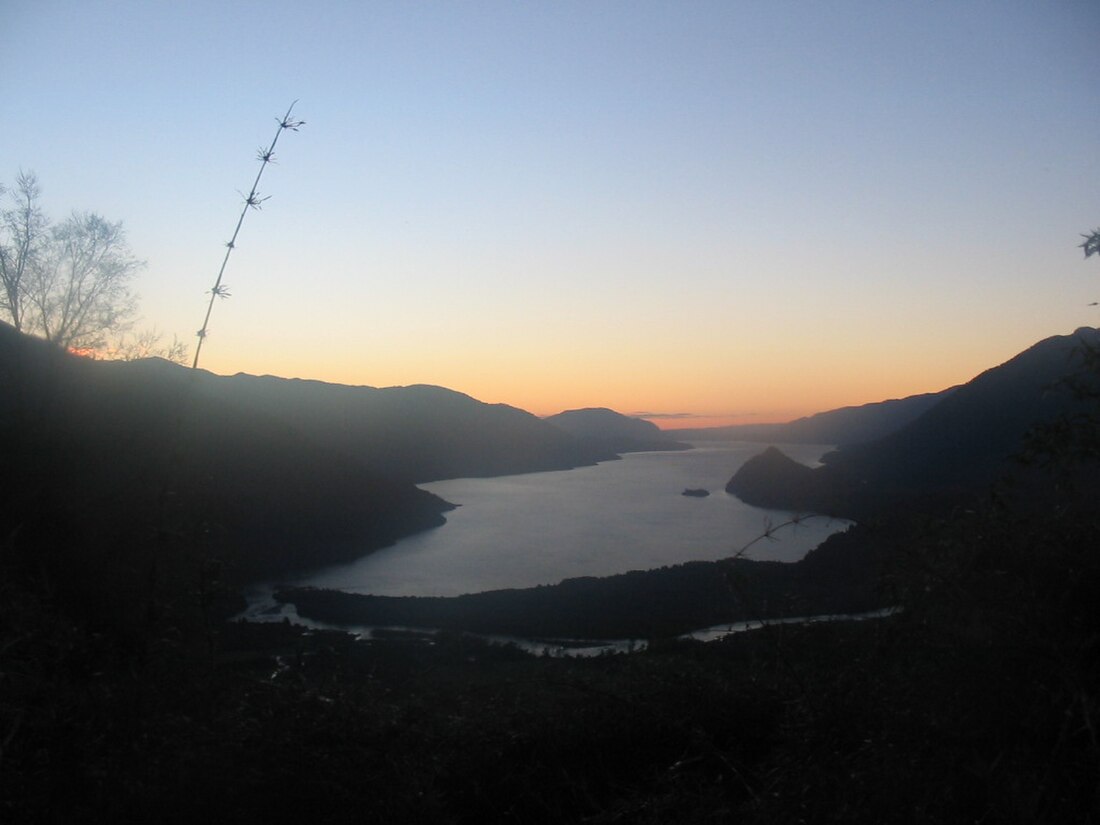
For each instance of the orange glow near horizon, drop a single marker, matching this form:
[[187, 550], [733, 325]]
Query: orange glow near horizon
[[697, 422], [674, 392]]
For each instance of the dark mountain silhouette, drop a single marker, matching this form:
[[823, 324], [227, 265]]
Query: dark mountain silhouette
[[843, 426], [419, 433], [608, 430], [132, 454], [961, 444], [268, 474]]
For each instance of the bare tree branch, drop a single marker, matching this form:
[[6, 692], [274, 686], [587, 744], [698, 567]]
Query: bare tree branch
[[23, 232]]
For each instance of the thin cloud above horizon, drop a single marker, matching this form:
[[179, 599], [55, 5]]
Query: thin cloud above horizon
[[688, 416]]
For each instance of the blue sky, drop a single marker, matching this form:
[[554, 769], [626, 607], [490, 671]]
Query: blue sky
[[755, 209]]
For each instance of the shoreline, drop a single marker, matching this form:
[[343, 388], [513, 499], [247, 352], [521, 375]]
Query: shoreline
[[840, 576]]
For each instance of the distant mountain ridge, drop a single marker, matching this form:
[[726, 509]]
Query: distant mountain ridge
[[614, 432], [842, 427], [960, 444]]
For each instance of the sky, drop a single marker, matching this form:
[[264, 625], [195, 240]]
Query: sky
[[703, 212]]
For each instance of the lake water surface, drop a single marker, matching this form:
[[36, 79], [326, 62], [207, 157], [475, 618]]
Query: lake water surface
[[540, 528]]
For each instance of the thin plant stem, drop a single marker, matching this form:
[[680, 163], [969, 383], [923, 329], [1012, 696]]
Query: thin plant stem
[[251, 201]]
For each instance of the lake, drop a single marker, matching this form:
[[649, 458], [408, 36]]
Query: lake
[[540, 528]]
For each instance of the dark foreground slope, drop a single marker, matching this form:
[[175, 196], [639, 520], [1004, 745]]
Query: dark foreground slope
[[975, 703], [960, 445]]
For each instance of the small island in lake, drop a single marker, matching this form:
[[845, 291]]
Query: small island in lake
[[695, 492]]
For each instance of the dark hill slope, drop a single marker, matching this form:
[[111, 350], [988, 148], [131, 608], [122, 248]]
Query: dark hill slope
[[419, 433], [124, 455], [961, 444]]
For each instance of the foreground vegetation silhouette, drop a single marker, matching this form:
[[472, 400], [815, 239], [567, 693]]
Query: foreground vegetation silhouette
[[126, 695]]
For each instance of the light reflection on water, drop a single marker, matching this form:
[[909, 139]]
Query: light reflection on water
[[541, 528]]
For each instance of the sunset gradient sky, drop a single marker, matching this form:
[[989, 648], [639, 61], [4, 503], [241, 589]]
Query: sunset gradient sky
[[718, 210]]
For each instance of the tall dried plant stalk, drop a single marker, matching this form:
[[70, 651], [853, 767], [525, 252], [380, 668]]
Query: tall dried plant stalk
[[251, 201]]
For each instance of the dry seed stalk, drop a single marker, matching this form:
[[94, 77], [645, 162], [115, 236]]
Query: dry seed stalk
[[251, 201]]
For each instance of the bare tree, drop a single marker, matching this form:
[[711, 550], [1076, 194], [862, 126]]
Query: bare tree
[[69, 282], [24, 231], [78, 292], [147, 343]]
